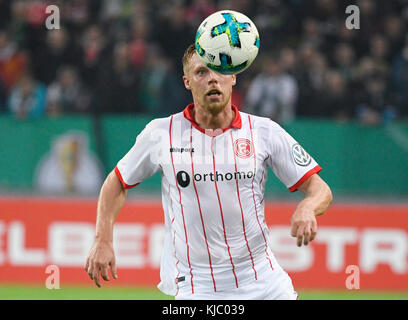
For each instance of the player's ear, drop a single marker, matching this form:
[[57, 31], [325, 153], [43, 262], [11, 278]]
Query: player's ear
[[234, 79], [186, 83]]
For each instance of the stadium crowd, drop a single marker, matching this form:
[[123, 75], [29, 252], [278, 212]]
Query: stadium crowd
[[124, 56]]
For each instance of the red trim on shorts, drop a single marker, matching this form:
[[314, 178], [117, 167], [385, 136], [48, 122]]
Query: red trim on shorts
[[126, 186], [242, 212], [236, 123], [182, 210], [253, 194], [199, 207], [306, 176], [222, 216]]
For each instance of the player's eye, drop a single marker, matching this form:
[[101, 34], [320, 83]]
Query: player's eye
[[201, 72]]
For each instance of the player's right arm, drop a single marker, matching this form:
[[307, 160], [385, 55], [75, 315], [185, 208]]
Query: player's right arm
[[102, 256], [137, 165]]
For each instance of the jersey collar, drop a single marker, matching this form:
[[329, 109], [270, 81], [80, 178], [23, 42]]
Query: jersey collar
[[236, 123]]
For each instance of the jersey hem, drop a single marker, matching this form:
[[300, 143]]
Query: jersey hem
[[124, 184], [306, 176]]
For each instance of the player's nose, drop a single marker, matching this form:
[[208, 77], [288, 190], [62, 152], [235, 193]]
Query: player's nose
[[213, 76]]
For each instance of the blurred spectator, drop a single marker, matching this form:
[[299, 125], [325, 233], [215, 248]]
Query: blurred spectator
[[198, 11], [95, 53], [12, 63], [399, 81], [373, 107], [18, 25], [318, 74], [161, 90], [312, 32], [4, 13], [288, 60], [379, 49], [323, 10], [118, 83], [2, 98], [139, 42], [172, 34], [344, 60], [367, 67], [27, 98], [58, 51], [76, 13], [67, 94], [315, 49], [273, 92], [309, 72], [270, 18], [395, 32], [333, 100], [111, 10]]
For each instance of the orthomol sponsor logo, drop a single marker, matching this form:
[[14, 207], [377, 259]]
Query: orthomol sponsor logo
[[183, 178]]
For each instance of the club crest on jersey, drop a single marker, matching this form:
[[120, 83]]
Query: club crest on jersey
[[243, 148], [301, 157]]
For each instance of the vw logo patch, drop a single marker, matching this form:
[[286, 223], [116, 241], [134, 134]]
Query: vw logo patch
[[301, 157]]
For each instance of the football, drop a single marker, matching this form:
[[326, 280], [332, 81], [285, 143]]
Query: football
[[227, 42]]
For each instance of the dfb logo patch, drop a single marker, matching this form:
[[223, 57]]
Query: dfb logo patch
[[301, 157]]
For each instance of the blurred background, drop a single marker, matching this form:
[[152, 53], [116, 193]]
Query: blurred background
[[72, 101]]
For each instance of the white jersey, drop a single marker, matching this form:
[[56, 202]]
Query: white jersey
[[213, 184]]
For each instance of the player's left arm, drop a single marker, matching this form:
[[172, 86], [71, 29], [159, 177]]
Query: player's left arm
[[317, 199]]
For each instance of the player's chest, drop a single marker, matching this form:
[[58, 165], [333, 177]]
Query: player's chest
[[225, 157], [228, 148]]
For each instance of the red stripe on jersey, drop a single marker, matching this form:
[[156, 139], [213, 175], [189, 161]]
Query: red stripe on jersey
[[263, 175], [178, 272], [242, 212], [199, 207], [171, 202], [253, 194], [222, 215], [306, 176], [174, 245], [182, 210], [126, 186]]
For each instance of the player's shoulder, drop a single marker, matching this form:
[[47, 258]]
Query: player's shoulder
[[163, 122], [260, 123]]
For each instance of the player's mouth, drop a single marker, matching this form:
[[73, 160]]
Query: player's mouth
[[214, 93]]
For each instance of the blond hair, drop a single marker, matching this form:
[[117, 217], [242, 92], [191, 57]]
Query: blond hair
[[190, 51]]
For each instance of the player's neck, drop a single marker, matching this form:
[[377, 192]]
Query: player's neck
[[208, 120]]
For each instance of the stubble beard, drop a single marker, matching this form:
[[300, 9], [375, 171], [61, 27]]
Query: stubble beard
[[217, 106]]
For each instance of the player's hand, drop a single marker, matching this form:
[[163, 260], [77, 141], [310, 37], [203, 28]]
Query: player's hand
[[304, 227], [100, 259]]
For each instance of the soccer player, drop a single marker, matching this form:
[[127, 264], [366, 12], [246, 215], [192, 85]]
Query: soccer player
[[214, 160]]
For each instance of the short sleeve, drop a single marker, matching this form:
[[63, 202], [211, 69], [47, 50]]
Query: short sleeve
[[287, 159], [138, 164]]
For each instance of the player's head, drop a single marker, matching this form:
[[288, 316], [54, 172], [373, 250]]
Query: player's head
[[211, 90]]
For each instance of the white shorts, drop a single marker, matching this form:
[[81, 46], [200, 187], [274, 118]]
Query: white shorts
[[274, 285]]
